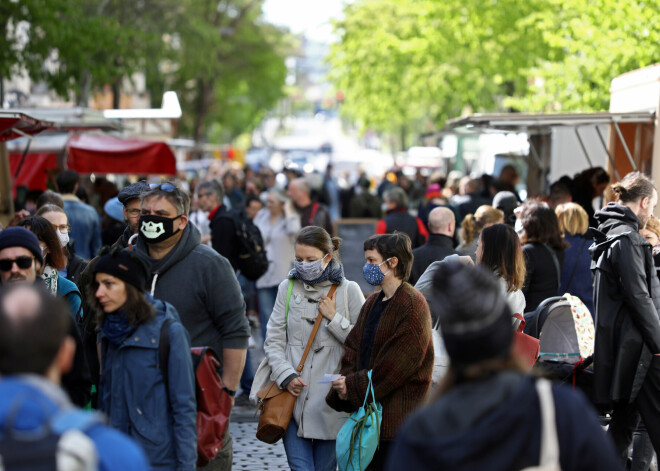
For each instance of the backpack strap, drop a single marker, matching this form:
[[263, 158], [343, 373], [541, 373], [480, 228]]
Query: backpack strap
[[164, 350], [549, 455], [555, 261], [312, 215]]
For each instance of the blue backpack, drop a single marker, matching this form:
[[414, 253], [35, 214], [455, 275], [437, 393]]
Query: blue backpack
[[358, 438]]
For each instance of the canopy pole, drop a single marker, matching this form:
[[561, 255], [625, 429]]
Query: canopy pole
[[607, 151], [584, 149], [536, 156], [20, 164], [625, 146]]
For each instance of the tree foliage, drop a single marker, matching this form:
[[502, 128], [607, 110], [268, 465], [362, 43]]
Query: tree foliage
[[415, 63], [225, 62]]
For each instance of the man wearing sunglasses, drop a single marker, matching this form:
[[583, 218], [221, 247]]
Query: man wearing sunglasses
[[21, 257]]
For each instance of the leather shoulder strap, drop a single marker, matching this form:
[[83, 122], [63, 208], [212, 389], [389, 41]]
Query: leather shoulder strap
[[317, 324]]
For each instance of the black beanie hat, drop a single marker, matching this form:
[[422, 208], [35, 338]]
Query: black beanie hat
[[125, 265], [475, 318], [21, 237]]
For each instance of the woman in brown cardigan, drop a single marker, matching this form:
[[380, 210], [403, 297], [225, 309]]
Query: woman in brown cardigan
[[392, 337]]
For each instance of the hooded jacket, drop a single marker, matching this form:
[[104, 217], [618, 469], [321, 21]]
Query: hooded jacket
[[202, 286], [162, 418], [495, 424], [627, 326]]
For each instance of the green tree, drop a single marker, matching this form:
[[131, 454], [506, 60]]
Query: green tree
[[412, 64]]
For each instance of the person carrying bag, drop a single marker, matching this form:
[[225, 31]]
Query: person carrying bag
[[314, 311], [276, 404]]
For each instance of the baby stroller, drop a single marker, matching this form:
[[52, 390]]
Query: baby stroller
[[565, 330]]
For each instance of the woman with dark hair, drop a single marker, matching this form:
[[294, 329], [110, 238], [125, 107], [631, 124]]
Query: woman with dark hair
[[543, 247], [487, 413], [392, 338], [54, 260], [309, 441], [132, 390], [500, 251]]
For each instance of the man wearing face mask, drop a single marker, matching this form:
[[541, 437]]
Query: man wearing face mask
[[199, 283], [75, 263]]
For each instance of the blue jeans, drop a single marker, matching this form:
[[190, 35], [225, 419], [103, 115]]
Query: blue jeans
[[266, 298], [305, 454]]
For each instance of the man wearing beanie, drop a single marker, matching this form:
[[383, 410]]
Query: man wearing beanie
[[487, 414], [21, 260]]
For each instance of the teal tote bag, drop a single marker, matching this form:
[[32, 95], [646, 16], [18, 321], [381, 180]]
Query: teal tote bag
[[358, 438]]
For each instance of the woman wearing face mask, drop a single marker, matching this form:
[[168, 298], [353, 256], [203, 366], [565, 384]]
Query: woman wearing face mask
[[55, 259], [392, 337], [309, 441], [75, 264], [651, 233]]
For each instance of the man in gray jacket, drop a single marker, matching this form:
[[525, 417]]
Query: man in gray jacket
[[199, 283]]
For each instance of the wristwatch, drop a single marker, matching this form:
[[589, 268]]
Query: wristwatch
[[231, 392]]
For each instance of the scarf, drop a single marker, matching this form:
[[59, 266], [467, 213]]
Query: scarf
[[50, 278], [333, 272], [116, 327]]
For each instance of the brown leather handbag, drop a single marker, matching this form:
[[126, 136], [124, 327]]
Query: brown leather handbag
[[276, 404]]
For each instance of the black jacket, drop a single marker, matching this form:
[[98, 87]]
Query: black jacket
[[542, 277], [399, 220], [627, 325], [437, 248], [223, 235]]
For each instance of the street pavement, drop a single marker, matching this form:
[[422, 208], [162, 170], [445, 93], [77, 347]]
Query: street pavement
[[249, 453]]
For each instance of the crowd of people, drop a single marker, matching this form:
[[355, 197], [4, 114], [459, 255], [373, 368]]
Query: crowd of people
[[86, 296]]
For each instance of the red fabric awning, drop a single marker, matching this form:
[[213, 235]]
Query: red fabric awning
[[92, 153], [10, 122], [34, 172]]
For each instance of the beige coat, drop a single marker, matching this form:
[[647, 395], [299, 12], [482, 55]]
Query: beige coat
[[284, 348]]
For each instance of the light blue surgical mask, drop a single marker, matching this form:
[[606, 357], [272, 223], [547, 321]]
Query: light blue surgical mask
[[373, 274]]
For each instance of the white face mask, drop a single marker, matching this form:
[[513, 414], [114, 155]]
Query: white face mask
[[64, 238]]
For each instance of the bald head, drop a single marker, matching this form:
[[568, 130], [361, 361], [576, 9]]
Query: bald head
[[33, 329], [442, 221]]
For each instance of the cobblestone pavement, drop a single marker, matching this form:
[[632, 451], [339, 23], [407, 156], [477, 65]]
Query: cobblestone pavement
[[249, 453]]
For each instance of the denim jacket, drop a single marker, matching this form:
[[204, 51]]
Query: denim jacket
[[133, 395]]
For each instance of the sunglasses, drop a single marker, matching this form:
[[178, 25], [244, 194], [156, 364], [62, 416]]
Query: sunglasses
[[168, 187], [23, 263]]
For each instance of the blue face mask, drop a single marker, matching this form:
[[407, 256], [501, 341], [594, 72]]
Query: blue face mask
[[373, 274]]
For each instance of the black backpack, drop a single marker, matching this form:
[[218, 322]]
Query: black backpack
[[251, 260]]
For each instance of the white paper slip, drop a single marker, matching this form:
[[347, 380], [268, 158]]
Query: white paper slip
[[329, 378]]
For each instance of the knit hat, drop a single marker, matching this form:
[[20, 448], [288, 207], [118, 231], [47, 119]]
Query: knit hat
[[125, 265], [474, 316], [505, 201], [21, 237], [433, 191], [114, 209], [132, 191]]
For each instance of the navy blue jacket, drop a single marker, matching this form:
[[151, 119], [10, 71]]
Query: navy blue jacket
[[132, 392], [38, 400], [495, 424], [576, 272]]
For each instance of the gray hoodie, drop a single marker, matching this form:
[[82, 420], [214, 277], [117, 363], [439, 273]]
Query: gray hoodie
[[202, 286]]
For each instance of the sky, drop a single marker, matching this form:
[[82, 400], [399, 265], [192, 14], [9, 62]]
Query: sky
[[311, 17]]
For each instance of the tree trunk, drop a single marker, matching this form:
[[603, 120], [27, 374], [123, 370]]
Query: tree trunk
[[116, 93], [204, 100]]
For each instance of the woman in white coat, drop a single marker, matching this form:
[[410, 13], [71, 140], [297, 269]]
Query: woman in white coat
[[309, 441], [279, 223]]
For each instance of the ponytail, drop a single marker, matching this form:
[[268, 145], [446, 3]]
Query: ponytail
[[468, 229]]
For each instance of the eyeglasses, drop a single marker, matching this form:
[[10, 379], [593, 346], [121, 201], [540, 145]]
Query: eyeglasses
[[204, 195], [133, 211], [168, 187], [63, 229], [23, 263]]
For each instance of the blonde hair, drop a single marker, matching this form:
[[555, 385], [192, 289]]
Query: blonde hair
[[653, 225], [474, 223], [572, 218]]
